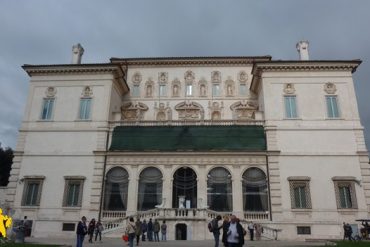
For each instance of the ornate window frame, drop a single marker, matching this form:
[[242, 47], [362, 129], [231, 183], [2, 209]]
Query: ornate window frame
[[295, 182], [32, 180], [344, 181], [69, 180]]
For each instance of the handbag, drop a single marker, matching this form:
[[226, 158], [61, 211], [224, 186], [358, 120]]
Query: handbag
[[125, 237]]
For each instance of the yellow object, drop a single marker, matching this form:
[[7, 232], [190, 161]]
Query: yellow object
[[5, 222]]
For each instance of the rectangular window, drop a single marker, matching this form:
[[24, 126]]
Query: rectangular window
[[300, 192], [32, 192], [47, 108], [69, 227], [345, 194], [73, 193], [85, 104], [189, 90], [242, 89], [162, 90], [136, 91], [332, 106], [216, 90], [303, 230], [290, 107]]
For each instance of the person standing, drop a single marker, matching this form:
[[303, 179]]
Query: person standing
[[81, 231], [259, 230], [216, 226], [150, 230], [144, 229], [91, 229], [130, 231], [235, 236], [225, 225], [251, 230], [138, 231], [164, 231], [98, 230], [156, 229]]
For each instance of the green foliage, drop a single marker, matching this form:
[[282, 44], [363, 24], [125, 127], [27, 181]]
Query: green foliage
[[6, 161], [353, 244]]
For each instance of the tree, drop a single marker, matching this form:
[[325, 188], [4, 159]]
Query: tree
[[6, 161]]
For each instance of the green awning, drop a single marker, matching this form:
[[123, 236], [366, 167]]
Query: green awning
[[188, 138]]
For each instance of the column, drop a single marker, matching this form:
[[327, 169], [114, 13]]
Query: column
[[237, 191], [133, 186], [167, 186], [202, 187]]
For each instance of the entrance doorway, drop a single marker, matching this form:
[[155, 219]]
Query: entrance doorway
[[181, 230], [184, 188]]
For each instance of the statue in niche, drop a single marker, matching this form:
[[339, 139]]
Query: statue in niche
[[149, 90], [164, 113], [216, 115], [202, 90], [175, 90], [229, 90]]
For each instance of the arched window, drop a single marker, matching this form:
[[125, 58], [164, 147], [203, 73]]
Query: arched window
[[150, 189], [116, 189], [219, 190], [255, 190], [184, 185]]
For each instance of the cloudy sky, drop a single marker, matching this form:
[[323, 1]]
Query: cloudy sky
[[43, 32]]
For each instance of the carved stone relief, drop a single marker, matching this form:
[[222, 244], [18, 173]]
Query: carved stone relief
[[136, 78], [189, 110], [243, 76], [243, 110], [216, 77], [163, 113], [87, 92], [176, 88], [289, 88], [162, 77], [330, 88], [149, 88], [215, 109], [189, 76], [50, 92], [229, 87], [203, 88], [132, 111]]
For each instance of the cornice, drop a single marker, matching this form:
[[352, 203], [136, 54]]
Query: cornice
[[189, 61], [72, 69], [300, 66]]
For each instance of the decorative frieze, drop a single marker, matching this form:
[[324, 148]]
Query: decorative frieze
[[132, 111], [189, 110], [243, 110]]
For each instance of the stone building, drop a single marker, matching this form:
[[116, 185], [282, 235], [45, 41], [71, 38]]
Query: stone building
[[183, 139]]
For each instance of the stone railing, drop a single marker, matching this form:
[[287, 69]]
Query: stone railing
[[114, 214], [187, 122], [256, 216], [270, 233]]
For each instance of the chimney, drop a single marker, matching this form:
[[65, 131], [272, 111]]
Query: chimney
[[302, 48], [77, 52]]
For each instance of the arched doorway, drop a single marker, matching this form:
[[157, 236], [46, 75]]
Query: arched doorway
[[181, 232], [150, 189], [116, 189], [219, 190], [184, 185], [255, 196]]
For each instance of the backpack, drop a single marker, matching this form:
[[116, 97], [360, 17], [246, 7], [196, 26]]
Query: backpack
[[210, 226]]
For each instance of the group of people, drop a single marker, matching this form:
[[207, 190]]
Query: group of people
[[232, 231], [145, 230], [83, 229]]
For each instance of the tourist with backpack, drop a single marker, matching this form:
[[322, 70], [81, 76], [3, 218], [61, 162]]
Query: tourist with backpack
[[214, 226]]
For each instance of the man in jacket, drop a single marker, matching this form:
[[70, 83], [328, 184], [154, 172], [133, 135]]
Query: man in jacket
[[81, 231], [234, 233]]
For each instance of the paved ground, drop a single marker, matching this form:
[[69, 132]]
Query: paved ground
[[110, 242]]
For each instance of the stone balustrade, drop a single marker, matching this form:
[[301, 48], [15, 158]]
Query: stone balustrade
[[187, 122]]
